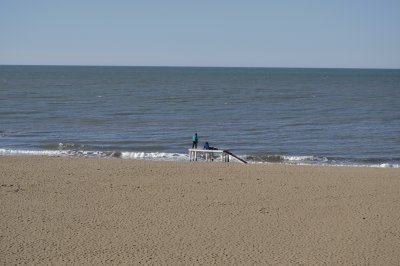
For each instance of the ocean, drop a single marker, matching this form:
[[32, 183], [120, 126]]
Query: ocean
[[280, 115]]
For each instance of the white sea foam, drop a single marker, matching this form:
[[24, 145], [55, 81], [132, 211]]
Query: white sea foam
[[385, 165], [155, 156], [304, 158], [32, 152], [165, 156], [162, 156], [53, 153]]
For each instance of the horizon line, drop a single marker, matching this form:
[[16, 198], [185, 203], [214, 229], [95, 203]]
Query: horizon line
[[193, 66]]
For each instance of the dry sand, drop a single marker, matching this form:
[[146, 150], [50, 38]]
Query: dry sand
[[110, 211]]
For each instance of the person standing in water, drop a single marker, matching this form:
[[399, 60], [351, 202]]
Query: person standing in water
[[195, 140]]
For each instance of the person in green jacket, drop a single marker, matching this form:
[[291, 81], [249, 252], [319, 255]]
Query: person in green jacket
[[195, 140]]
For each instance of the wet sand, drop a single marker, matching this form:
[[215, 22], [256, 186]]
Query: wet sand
[[112, 211]]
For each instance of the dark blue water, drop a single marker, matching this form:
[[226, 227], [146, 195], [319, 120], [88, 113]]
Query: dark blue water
[[312, 116]]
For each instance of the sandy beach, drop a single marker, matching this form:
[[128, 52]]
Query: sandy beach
[[110, 211]]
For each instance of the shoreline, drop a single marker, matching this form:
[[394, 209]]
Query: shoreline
[[177, 157], [59, 210]]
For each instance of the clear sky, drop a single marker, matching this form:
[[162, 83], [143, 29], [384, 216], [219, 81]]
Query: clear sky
[[260, 33]]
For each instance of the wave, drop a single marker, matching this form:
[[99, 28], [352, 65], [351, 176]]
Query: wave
[[284, 158], [319, 160], [62, 151], [63, 146], [155, 156], [115, 146], [99, 154], [30, 152]]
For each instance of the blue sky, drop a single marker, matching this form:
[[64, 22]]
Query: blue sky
[[279, 33]]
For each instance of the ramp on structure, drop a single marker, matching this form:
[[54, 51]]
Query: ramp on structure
[[234, 156], [209, 155]]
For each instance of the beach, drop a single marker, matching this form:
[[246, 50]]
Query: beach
[[91, 211]]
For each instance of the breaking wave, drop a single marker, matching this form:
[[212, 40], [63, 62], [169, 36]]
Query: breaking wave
[[285, 158], [62, 151], [164, 156], [317, 160]]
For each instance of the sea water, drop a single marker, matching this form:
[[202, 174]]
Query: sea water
[[284, 115]]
